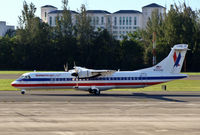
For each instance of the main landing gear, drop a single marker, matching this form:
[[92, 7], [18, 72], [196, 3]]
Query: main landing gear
[[23, 92], [95, 91]]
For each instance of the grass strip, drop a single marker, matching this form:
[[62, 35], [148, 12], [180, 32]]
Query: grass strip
[[5, 84], [177, 85], [22, 72]]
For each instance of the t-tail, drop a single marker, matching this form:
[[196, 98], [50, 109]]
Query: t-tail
[[173, 62]]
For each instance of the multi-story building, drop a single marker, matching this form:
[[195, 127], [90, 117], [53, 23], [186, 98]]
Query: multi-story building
[[147, 10], [118, 23], [4, 28], [100, 19], [50, 13], [125, 21], [45, 10]]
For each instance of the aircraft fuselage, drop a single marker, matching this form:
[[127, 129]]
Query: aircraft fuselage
[[120, 79]]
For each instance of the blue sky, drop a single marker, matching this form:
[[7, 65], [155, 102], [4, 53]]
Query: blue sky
[[11, 9]]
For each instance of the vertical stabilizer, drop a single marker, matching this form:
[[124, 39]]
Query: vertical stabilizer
[[174, 61]]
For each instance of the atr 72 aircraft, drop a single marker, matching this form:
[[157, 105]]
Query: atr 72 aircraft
[[95, 81]]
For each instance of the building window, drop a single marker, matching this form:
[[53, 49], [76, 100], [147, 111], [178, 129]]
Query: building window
[[115, 27], [50, 21], [120, 21], [45, 14], [130, 20], [115, 32], [115, 21], [102, 20], [55, 18], [97, 20], [126, 20], [108, 20], [123, 20], [135, 20], [93, 20]]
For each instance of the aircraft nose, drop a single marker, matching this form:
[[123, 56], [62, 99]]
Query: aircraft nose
[[13, 83]]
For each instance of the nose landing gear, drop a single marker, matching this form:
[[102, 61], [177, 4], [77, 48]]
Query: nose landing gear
[[23, 92]]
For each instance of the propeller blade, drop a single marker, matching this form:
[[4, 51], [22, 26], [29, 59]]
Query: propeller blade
[[66, 67]]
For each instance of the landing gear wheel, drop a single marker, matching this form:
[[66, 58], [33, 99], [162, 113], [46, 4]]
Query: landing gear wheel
[[23, 92], [97, 92], [91, 91], [94, 91]]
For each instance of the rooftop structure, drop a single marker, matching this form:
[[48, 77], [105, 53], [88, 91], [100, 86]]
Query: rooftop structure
[[61, 11], [98, 12], [127, 12], [153, 5]]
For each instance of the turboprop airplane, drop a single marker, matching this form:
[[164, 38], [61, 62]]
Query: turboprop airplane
[[95, 81]]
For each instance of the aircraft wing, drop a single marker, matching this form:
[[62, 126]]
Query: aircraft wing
[[102, 72], [90, 73]]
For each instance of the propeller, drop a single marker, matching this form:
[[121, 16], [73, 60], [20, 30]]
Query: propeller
[[66, 67], [76, 71], [74, 65]]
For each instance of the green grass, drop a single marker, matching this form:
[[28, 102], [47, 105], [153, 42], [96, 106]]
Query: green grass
[[13, 72], [5, 84], [22, 72], [178, 85], [191, 73]]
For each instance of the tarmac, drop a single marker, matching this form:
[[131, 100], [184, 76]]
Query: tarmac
[[113, 113]]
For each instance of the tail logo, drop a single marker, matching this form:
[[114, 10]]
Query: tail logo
[[177, 59]]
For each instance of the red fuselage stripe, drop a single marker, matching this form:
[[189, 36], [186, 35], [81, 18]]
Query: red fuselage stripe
[[83, 84]]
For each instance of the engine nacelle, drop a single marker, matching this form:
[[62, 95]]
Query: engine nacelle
[[85, 74]]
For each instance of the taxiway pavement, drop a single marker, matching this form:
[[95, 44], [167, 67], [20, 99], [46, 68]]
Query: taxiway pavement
[[113, 113]]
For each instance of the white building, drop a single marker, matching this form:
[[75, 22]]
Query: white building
[[118, 23], [52, 16], [125, 21], [100, 19], [147, 10], [50, 13], [4, 28], [45, 10]]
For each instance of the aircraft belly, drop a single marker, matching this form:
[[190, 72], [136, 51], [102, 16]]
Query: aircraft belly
[[86, 85]]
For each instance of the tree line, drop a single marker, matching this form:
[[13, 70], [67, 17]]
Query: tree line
[[37, 46]]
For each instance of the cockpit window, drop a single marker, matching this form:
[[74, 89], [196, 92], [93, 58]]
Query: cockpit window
[[25, 77]]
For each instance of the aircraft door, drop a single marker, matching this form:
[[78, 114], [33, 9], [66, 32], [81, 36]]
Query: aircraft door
[[143, 78], [76, 80]]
